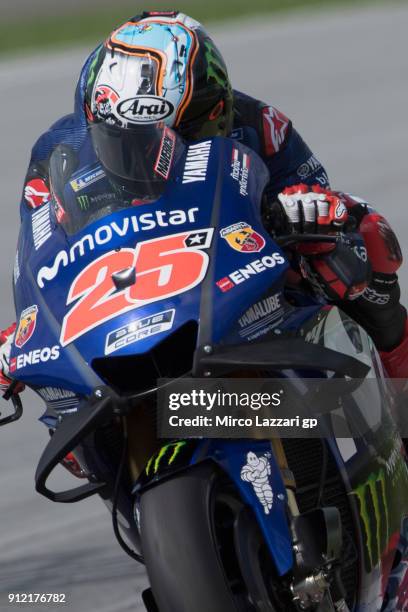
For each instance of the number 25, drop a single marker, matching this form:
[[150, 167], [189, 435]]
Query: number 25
[[164, 267]]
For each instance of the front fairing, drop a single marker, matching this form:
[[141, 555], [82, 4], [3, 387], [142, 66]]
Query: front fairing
[[211, 206]]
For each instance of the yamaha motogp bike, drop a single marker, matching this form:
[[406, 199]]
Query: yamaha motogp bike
[[109, 299]]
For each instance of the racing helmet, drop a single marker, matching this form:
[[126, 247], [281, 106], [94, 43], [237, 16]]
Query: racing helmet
[[159, 68]]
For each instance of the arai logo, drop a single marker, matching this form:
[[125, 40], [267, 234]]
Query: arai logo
[[145, 109]]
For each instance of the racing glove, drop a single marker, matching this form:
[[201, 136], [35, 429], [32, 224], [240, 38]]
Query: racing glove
[[312, 209], [337, 271]]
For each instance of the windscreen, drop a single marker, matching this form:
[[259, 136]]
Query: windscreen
[[132, 166]]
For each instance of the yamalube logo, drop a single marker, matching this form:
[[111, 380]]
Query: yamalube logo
[[145, 109]]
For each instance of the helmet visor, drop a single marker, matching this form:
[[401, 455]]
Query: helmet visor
[[139, 157]]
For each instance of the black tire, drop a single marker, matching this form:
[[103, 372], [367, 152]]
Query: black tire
[[188, 568]]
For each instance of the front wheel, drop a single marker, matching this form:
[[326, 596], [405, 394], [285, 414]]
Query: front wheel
[[203, 548]]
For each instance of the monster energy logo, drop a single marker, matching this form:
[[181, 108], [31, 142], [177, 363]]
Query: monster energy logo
[[374, 517], [215, 67], [92, 67], [83, 202], [169, 452]]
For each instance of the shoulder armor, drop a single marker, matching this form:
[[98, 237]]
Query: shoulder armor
[[272, 126]]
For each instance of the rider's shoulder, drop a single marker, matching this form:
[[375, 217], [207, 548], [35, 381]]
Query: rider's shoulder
[[271, 125], [68, 130]]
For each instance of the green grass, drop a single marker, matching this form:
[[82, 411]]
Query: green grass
[[86, 27]]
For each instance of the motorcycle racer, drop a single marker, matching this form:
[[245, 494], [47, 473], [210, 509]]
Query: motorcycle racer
[[163, 67]]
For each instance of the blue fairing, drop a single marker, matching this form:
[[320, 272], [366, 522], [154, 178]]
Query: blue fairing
[[53, 260]]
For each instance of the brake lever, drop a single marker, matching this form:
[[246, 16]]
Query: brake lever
[[287, 240], [17, 404]]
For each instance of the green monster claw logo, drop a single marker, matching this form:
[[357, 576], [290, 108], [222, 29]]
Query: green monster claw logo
[[215, 68], [372, 498], [382, 498], [169, 451], [83, 202], [92, 67]]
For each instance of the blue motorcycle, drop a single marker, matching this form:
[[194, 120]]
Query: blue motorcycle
[[110, 297]]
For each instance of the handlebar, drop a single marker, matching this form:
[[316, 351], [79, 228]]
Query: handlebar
[[17, 404], [288, 239]]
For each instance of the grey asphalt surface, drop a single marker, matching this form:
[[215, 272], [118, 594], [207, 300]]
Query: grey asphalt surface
[[342, 78]]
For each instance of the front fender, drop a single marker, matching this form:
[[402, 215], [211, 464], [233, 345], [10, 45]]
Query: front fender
[[266, 494]]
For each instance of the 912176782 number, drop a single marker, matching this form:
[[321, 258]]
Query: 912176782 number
[[37, 598]]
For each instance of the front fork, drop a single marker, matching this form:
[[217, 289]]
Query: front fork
[[261, 474]]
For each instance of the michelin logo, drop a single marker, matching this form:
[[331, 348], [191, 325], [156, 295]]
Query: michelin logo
[[257, 471], [86, 179]]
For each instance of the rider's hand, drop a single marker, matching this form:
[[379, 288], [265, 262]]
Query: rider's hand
[[6, 341], [312, 209]]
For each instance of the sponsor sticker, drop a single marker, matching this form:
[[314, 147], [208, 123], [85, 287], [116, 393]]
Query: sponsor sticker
[[59, 399], [58, 208], [143, 28], [165, 156], [237, 134], [16, 270], [52, 394], [139, 330], [375, 297], [35, 357], [145, 109], [105, 101], [261, 317], [161, 13], [323, 179], [256, 471], [276, 126], [225, 284], [241, 237], [41, 224], [86, 179], [26, 326], [308, 168], [116, 229], [36, 193], [240, 170], [86, 201], [195, 169], [340, 211], [252, 269], [200, 239]]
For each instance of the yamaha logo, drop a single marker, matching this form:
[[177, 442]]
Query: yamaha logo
[[145, 109]]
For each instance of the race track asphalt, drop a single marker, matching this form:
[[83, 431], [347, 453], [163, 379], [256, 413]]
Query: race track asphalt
[[342, 78]]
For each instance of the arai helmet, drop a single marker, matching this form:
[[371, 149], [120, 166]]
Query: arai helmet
[[160, 67]]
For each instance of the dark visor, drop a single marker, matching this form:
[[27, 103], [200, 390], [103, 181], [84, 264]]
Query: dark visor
[[140, 154]]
